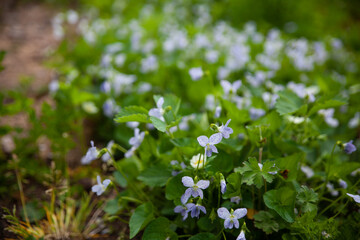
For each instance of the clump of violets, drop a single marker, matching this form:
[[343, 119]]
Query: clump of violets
[[100, 187], [91, 154], [231, 218], [209, 143], [194, 189], [135, 142]]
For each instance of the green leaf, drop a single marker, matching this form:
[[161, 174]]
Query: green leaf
[[141, 217], [120, 179], [252, 174], [233, 112], [112, 206], [159, 229], [222, 162], [281, 200], [185, 142], [155, 176], [341, 170], [266, 222], [233, 186], [203, 236], [174, 187], [288, 102], [307, 198], [325, 102], [290, 163], [158, 124], [132, 113], [34, 211], [205, 224]]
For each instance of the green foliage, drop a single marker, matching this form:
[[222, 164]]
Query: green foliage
[[266, 221], [155, 176], [203, 236], [281, 200], [140, 218], [307, 199], [252, 174], [159, 229], [288, 103], [132, 113]]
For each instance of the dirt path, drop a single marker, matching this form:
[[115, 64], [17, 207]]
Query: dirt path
[[26, 35]]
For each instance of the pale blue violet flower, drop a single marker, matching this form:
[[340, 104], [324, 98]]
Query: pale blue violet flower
[[209, 144], [195, 209], [225, 130], [349, 147], [106, 157], [343, 183], [231, 219], [223, 186], [135, 141], [159, 111], [355, 197], [194, 190], [196, 73], [91, 154], [235, 199], [100, 187], [217, 112], [177, 167], [256, 113], [230, 88], [241, 236], [183, 209]]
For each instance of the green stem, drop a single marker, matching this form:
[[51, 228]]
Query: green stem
[[329, 161], [22, 197], [340, 210], [139, 192]]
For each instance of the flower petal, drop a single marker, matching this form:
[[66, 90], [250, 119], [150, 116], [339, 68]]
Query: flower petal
[[236, 85], [185, 197], [187, 181], [154, 112], [106, 182], [226, 85], [355, 197], [203, 184], [178, 209], [202, 208], [236, 223], [215, 138], [223, 213], [228, 223], [160, 102], [240, 212], [213, 149], [203, 140], [227, 123]]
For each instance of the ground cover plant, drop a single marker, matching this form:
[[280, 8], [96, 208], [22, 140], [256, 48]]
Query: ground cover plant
[[200, 129]]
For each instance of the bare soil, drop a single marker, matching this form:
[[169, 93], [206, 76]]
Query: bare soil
[[26, 36]]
